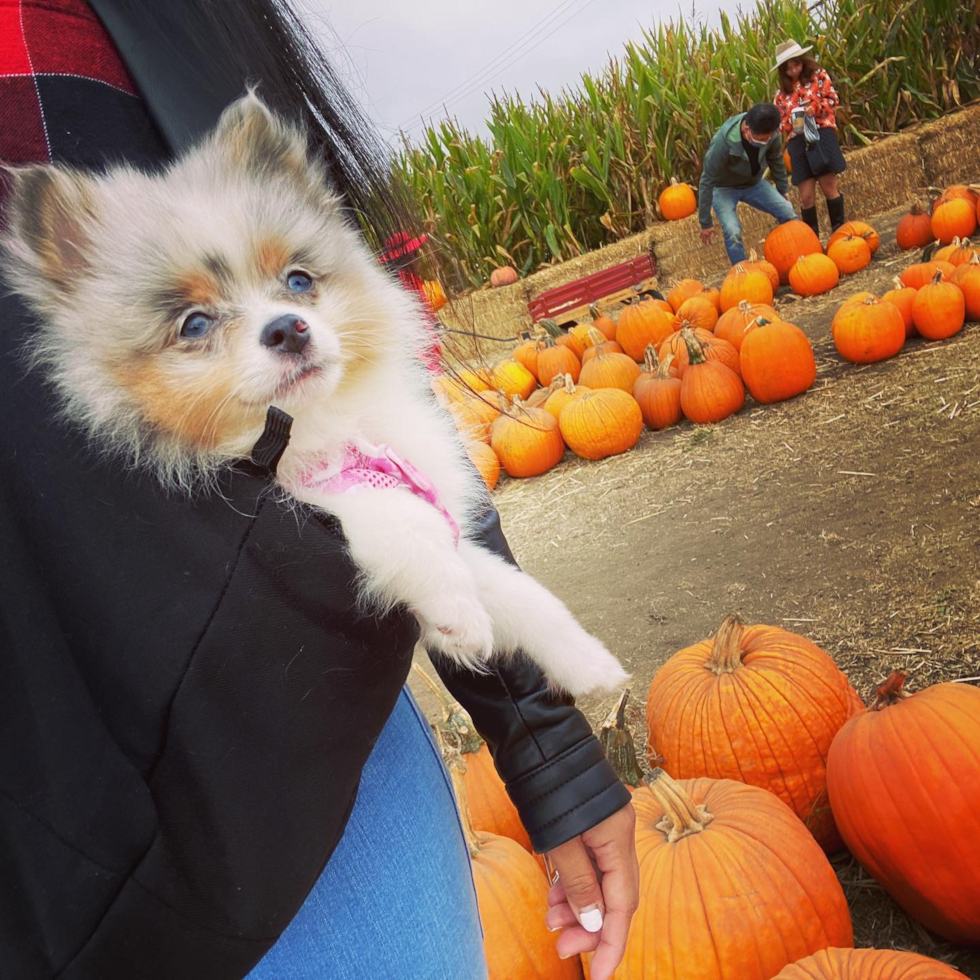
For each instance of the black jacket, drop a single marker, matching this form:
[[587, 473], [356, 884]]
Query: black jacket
[[186, 696]]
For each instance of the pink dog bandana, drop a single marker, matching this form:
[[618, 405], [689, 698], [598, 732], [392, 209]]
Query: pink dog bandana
[[366, 466]]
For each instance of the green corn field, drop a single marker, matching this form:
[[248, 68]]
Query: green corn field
[[570, 171]]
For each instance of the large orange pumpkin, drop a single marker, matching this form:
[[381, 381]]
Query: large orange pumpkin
[[731, 324], [745, 284], [596, 343], [556, 362], [868, 964], [604, 324], [757, 704], [960, 250], [643, 323], [526, 353], [777, 361], [904, 782], [601, 423], [677, 201], [731, 885], [956, 192], [699, 311], [814, 274], [754, 262], [915, 229], [657, 392], [786, 243], [485, 460], [967, 277], [609, 369], [868, 331], [849, 253], [916, 276], [956, 218], [513, 378], [939, 309], [710, 390], [527, 441], [713, 347], [564, 338]]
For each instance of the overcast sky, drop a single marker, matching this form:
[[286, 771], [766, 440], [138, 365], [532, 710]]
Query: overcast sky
[[403, 59]]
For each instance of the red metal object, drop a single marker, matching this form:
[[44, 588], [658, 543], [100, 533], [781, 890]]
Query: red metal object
[[577, 296]]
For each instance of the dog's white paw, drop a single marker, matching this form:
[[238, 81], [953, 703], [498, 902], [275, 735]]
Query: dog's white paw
[[585, 666], [458, 626]]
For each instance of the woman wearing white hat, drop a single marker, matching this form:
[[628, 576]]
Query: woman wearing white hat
[[806, 100]]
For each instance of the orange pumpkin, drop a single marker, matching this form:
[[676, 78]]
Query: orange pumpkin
[[956, 218], [597, 343], [558, 399], [643, 323], [713, 295], [814, 274], [699, 311], [556, 362], [939, 309], [956, 192], [674, 344], [539, 396], [967, 277], [609, 369], [603, 323], [960, 250], [485, 460], [731, 325], [527, 441], [915, 229], [657, 392], [512, 379], [601, 423], [476, 381], [683, 290], [901, 297], [710, 390], [714, 348], [699, 725], [504, 276], [776, 361], [868, 331], [868, 964], [786, 243], [564, 338], [856, 229], [731, 885], [916, 276], [677, 201], [526, 353], [754, 262], [904, 782], [849, 254], [745, 284], [474, 415]]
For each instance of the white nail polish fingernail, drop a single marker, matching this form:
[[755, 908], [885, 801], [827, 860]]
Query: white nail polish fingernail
[[591, 919]]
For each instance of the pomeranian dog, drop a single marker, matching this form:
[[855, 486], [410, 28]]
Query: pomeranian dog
[[175, 309]]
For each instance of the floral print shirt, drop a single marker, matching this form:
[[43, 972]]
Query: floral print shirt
[[818, 92]]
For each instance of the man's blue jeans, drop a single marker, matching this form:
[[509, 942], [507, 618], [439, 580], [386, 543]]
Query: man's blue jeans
[[762, 196], [396, 899]]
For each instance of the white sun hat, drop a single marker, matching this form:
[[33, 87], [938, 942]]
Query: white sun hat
[[788, 50]]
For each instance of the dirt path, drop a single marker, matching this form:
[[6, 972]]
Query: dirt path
[[850, 514]]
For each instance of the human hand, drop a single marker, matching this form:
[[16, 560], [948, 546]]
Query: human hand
[[811, 111], [707, 236], [597, 892]]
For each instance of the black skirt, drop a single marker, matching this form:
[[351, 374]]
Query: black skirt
[[801, 164]]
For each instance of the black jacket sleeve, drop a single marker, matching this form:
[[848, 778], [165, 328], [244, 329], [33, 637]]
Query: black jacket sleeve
[[544, 749]]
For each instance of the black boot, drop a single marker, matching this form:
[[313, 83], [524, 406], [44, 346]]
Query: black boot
[[810, 218], [835, 210]]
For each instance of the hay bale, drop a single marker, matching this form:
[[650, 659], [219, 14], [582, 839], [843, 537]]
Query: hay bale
[[950, 148]]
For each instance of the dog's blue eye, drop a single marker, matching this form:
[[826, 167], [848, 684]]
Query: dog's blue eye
[[299, 282], [196, 325]]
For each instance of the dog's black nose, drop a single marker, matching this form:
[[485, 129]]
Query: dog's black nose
[[286, 334]]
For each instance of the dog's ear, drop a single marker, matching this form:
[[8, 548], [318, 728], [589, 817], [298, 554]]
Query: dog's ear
[[258, 141], [51, 212]]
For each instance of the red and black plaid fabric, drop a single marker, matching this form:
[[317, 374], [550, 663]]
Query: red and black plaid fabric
[[60, 78]]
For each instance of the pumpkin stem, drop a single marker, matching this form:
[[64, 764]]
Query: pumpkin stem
[[597, 337], [551, 328], [545, 342], [753, 255], [682, 817], [663, 371], [938, 277], [568, 384], [617, 740], [726, 649], [891, 692], [454, 763], [917, 208], [650, 360], [744, 307], [898, 282], [594, 310], [695, 351]]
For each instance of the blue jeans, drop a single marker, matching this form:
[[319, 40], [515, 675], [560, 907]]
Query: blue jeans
[[396, 899], [762, 196]]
